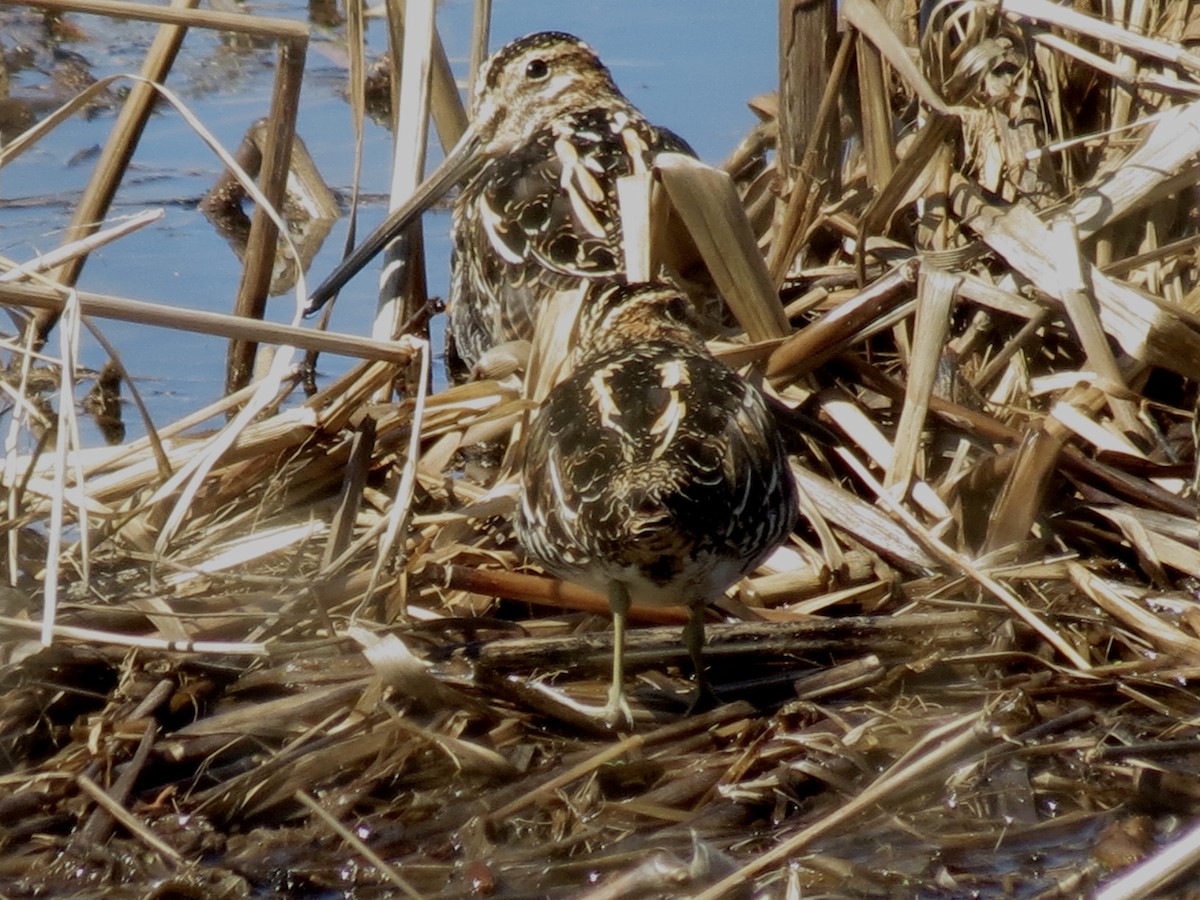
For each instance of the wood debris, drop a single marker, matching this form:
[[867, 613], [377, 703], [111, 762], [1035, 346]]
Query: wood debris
[[300, 653]]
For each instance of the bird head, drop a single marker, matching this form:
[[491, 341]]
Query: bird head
[[614, 314], [532, 81]]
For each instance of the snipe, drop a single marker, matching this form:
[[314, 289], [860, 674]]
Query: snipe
[[550, 135], [653, 472]]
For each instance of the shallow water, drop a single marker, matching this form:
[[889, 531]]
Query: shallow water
[[691, 66]]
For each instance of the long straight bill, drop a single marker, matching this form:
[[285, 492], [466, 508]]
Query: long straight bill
[[460, 163]]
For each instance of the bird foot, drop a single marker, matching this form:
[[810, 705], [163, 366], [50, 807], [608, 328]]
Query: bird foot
[[617, 712], [703, 700]]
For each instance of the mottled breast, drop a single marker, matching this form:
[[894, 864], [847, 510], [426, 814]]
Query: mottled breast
[[541, 218], [655, 462]]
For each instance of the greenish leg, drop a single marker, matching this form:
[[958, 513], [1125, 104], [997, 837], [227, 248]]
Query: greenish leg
[[617, 711], [693, 639]]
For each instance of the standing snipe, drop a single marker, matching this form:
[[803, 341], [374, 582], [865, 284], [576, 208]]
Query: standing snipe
[[653, 472], [550, 135]]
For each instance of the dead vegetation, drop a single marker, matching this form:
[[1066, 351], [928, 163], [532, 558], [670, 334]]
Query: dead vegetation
[[300, 655]]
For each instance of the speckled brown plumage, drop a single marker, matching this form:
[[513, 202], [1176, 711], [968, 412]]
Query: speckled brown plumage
[[653, 472], [542, 213], [549, 137]]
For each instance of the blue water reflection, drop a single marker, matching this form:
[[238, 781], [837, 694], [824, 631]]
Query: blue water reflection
[[690, 66]]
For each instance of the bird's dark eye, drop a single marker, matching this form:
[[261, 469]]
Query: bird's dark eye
[[678, 308], [536, 70]]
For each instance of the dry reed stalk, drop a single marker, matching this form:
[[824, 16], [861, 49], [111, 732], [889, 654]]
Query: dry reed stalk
[[118, 151], [1157, 872], [262, 27], [815, 173], [988, 637], [950, 742], [82, 246], [356, 94], [265, 226], [127, 819], [413, 36], [711, 211], [400, 508], [67, 433], [809, 82], [936, 291], [201, 322], [481, 26], [292, 40]]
